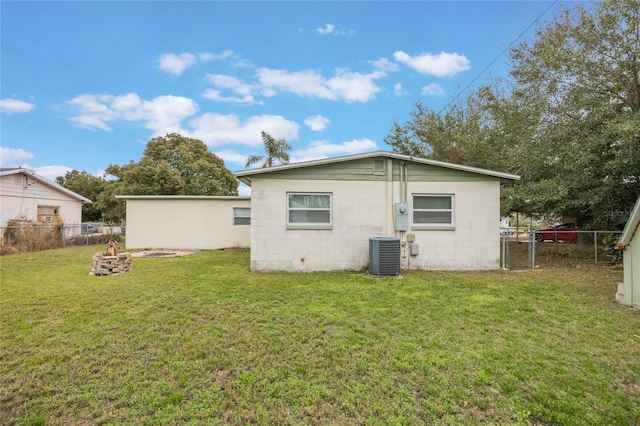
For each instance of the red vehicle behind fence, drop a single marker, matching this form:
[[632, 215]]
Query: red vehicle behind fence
[[563, 232]]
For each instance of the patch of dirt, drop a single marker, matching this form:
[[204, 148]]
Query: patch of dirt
[[162, 253]]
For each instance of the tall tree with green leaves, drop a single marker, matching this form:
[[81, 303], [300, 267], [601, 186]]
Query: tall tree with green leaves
[[87, 185], [276, 150], [170, 165], [567, 120], [582, 71], [200, 171]]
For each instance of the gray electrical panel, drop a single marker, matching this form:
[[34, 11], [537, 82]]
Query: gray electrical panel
[[401, 217]]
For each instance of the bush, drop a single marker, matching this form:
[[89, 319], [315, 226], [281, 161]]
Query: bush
[[22, 236], [104, 238]]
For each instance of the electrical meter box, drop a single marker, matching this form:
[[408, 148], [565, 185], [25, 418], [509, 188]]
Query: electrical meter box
[[401, 216]]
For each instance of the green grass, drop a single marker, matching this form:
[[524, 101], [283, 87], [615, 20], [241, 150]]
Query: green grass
[[201, 340]]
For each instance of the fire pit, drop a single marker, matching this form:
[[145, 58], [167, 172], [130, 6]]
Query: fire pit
[[111, 262]]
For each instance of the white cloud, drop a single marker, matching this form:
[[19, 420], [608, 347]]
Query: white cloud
[[397, 88], [215, 95], [231, 82], [324, 149], [327, 29], [217, 129], [441, 65], [348, 86], [176, 64], [52, 172], [15, 106], [232, 157], [317, 123], [11, 156], [330, 29], [385, 65], [246, 91], [206, 56], [433, 89], [162, 114]]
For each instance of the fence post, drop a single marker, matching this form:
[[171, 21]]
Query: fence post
[[505, 252], [595, 245], [532, 249]]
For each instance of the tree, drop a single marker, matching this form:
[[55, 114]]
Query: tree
[[201, 172], [88, 186], [170, 165], [276, 151], [583, 71], [567, 120]]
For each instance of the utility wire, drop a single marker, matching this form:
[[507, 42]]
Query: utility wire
[[498, 57]]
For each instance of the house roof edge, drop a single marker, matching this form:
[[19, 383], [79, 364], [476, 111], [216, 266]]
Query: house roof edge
[[631, 228], [244, 175], [45, 181]]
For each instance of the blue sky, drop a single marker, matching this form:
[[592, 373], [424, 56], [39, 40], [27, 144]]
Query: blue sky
[[88, 84]]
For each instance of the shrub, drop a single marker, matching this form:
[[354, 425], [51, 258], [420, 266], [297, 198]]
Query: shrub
[[104, 238], [25, 235]]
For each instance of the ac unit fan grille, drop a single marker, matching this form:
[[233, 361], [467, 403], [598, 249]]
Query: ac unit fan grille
[[384, 256]]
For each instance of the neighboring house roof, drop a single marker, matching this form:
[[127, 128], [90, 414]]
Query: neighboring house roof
[[245, 175], [631, 228], [33, 175]]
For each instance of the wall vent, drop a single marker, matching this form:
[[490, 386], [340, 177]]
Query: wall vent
[[379, 165], [384, 256]]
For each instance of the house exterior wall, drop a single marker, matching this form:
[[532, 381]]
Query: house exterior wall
[[631, 262], [21, 196], [364, 208], [474, 242], [630, 241], [185, 223]]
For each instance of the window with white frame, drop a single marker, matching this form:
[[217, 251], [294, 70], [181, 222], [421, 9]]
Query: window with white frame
[[433, 210], [241, 216], [309, 210]]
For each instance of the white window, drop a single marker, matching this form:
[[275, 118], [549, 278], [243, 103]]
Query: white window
[[241, 216], [309, 210], [433, 210]]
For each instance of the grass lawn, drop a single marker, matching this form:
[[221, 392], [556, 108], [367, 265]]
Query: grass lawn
[[201, 340]]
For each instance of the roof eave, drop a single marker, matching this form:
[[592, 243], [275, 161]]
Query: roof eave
[[243, 174], [47, 182], [631, 227]]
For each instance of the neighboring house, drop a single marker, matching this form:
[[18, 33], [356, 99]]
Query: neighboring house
[[25, 195], [187, 222], [319, 215], [630, 244]]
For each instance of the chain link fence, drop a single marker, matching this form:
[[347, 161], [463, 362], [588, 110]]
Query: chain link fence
[[531, 249], [26, 236]]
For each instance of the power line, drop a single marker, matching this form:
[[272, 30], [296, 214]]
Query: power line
[[499, 56]]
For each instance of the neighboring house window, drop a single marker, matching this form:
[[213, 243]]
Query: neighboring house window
[[433, 211], [241, 216], [48, 213], [309, 210]]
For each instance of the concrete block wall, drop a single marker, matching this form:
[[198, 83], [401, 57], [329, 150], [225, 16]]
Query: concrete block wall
[[358, 214], [474, 243], [363, 209], [182, 223]]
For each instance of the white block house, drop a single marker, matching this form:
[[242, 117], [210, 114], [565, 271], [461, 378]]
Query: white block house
[[25, 195], [187, 222], [319, 215], [630, 244]]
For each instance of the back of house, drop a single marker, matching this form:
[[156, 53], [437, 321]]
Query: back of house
[[321, 215]]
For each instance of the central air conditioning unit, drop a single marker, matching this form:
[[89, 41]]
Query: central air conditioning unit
[[384, 256]]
